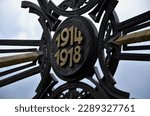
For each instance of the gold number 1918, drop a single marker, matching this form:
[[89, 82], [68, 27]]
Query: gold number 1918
[[73, 55]]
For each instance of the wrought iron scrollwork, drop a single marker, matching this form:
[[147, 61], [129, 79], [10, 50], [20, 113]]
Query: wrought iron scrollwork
[[77, 6], [107, 49], [77, 90]]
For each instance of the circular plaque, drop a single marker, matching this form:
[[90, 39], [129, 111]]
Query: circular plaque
[[73, 48]]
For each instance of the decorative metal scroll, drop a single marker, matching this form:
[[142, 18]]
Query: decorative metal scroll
[[74, 49]]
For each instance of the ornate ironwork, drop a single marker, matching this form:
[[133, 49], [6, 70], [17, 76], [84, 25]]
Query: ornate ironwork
[[75, 90], [74, 48]]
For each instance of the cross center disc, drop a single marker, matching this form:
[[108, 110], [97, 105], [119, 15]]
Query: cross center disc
[[74, 49]]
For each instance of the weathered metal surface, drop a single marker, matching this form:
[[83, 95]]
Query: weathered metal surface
[[17, 59], [137, 37], [73, 50]]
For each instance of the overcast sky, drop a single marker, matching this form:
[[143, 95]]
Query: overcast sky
[[15, 22]]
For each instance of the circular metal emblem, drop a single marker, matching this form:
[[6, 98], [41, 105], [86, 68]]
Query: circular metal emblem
[[73, 48]]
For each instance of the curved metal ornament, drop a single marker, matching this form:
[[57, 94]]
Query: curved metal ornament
[[77, 6], [74, 90], [107, 49]]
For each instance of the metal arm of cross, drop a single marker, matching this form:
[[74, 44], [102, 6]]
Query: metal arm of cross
[[17, 59], [141, 36]]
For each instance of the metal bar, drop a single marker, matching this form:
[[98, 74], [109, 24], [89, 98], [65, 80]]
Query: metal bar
[[133, 57], [20, 76], [20, 42], [141, 36], [144, 47], [16, 69], [134, 28], [17, 59], [134, 21], [17, 50]]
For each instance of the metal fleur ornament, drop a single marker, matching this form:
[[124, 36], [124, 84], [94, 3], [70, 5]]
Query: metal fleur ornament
[[74, 48]]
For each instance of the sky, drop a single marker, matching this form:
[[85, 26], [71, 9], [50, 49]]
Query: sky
[[15, 22]]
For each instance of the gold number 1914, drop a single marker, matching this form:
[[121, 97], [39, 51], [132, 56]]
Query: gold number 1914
[[72, 33]]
